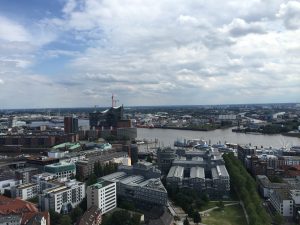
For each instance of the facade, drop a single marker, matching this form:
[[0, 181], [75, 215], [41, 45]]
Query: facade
[[282, 202], [10, 219], [165, 157], [92, 216], [103, 195], [25, 174], [106, 119], [127, 133], [203, 171], [63, 198], [70, 125], [25, 191], [84, 168], [45, 181], [61, 169], [140, 183], [266, 187]]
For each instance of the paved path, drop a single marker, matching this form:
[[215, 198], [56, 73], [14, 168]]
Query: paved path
[[216, 207]]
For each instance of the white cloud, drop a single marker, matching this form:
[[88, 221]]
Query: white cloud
[[239, 27], [290, 13], [11, 31]]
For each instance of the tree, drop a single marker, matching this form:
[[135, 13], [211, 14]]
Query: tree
[[278, 219], [186, 221], [220, 204], [149, 159], [76, 214], [65, 220], [197, 218], [54, 217], [92, 180]]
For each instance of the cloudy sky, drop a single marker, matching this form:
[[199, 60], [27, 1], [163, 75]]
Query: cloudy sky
[[68, 53]]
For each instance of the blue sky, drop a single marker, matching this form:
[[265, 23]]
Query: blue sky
[[69, 53]]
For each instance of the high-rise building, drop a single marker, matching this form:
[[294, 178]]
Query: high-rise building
[[103, 195], [106, 119], [70, 124]]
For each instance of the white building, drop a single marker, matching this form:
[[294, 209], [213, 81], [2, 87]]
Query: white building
[[103, 195], [25, 191], [63, 198], [282, 202], [8, 184]]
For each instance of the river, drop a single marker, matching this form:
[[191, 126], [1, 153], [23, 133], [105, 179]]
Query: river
[[166, 137]]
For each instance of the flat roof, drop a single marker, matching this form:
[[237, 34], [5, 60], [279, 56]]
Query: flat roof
[[197, 172], [176, 171]]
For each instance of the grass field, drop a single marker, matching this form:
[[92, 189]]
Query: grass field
[[231, 215]]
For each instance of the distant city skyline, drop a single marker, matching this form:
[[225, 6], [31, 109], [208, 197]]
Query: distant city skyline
[[68, 53]]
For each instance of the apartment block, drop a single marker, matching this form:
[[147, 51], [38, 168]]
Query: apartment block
[[25, 191], [103, 195], [63, 198]]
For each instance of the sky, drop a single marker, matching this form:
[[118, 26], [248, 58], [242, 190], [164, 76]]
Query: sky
[[76, 53]]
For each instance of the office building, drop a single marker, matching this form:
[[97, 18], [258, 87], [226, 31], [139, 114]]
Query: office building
[[63, 198], [107, 119], [70, 125], [103, 195], [61, 169], [165, 157], [140, 183]]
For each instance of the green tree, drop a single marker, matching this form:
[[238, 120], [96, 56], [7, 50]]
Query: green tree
[[91, 180], [65, 220], [278, 219], [221, 205], [186, 221], [54, 217], [197, 218], [76, 214], [83, 204]]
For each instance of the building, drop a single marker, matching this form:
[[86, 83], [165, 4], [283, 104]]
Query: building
[[63, 198], [282, 202], [266, 187], [106, 119], [103, 195], [25, 174], [40, 162], [16, 209], [62, 169], [92, 216], [127, 133], [201, 171], [25, 191], [45, 181], [84, 168], [10, 219], [70, 124], [140, 183], [165, 157]]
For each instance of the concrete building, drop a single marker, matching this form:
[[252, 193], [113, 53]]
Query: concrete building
[[63, 198], [92, 216], [140, 183], [84, 168], [70, 124], [25, 174], [202, 171], [25, 191], [282, 202], [45, 181], [165, 157], [62, 169], [103, 195], [10, 219], [266, 187]]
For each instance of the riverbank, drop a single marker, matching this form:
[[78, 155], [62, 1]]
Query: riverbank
[[292, 134]]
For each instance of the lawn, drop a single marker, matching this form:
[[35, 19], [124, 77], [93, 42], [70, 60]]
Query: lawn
[[231, 215]]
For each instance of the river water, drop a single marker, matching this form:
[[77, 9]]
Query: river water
[[166, 137]]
